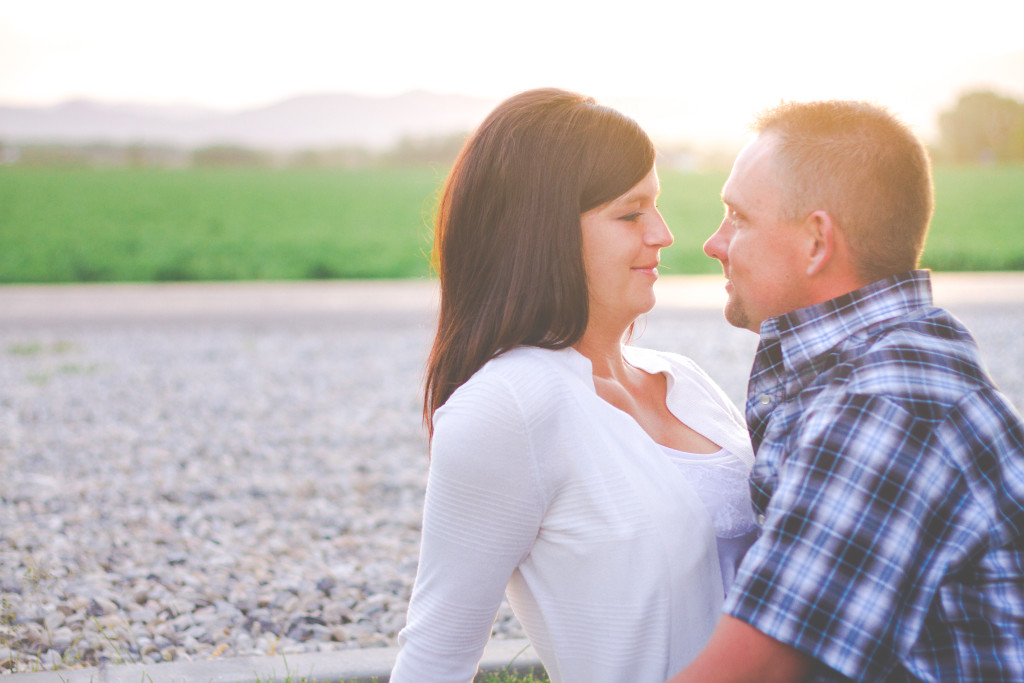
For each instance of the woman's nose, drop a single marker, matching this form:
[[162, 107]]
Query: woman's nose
[[659, 235]]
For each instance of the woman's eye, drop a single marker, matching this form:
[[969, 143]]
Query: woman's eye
[[631, 217]]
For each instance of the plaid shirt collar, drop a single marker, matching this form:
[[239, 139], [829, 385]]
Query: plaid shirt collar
[[808, 333]]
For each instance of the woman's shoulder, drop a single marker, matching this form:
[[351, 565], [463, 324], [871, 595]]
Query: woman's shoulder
[[500, 417], [528, 376], [532, 366]]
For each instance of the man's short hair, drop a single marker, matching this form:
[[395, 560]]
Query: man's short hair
[[859, 163]]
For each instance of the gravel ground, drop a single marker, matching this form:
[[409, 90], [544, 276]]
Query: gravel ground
[[185, 488]]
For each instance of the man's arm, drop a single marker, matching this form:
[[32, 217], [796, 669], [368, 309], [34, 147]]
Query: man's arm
[[738, 653]]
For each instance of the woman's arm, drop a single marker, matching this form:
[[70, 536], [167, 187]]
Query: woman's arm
[[483, 508]]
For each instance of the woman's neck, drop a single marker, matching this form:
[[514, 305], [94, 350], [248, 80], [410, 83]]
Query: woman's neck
[[604, 351]]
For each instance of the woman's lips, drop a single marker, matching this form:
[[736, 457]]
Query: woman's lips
[[647, 270]]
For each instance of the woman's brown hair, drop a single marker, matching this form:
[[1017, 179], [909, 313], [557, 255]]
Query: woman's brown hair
[[507, 240]]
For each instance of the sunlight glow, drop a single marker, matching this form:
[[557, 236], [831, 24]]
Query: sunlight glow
[[707, 65]]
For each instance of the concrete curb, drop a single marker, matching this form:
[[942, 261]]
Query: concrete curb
[[146, 302], [352, 666]]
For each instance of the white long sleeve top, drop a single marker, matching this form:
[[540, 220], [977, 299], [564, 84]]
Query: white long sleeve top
[[540, 488]]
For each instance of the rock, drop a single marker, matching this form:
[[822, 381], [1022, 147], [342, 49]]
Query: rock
[[35, 634], [63, 638], [99, 607], [54, 620]]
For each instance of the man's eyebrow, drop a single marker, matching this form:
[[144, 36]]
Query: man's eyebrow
[[728, 198], [731, 206]]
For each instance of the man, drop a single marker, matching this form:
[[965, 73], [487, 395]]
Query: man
[[890, 471]]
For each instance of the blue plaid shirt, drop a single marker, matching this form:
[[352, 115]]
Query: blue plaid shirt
[[890, 477]]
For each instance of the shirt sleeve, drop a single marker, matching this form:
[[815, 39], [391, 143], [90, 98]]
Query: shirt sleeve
[[483, 508], [865, 510]]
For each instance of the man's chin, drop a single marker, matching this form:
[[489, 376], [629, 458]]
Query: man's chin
[[737, 317]]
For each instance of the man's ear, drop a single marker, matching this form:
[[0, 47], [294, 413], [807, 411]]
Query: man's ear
[[822, 240]]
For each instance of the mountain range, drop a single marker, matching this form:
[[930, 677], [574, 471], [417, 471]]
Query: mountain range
[[321, 120]]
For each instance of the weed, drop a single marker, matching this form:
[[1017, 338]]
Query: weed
[[76, 369], [35, 348], [119, 656], [25, 349], [8, 634]]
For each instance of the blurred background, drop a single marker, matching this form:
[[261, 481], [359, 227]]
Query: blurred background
[[222, 140]]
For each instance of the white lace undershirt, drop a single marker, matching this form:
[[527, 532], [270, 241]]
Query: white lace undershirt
[[720, 481]]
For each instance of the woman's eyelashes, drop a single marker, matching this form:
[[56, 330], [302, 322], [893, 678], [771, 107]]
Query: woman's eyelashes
[[641, 209]]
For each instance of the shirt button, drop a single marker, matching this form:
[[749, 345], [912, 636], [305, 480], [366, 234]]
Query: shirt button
[[760, 520], [765, 399]]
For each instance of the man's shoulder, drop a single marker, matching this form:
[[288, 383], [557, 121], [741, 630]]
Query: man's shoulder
[[927, 356]]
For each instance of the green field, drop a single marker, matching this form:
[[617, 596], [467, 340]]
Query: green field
[[88, 225]]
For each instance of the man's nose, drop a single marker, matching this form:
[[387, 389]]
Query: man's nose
[[714, 247]]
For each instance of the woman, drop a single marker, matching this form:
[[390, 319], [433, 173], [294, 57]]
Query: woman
[[564, 464]]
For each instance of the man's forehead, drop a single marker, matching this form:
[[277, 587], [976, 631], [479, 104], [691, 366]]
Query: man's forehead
[[753, 165]]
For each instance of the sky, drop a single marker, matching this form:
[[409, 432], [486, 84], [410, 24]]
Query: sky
[[690, 68]]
